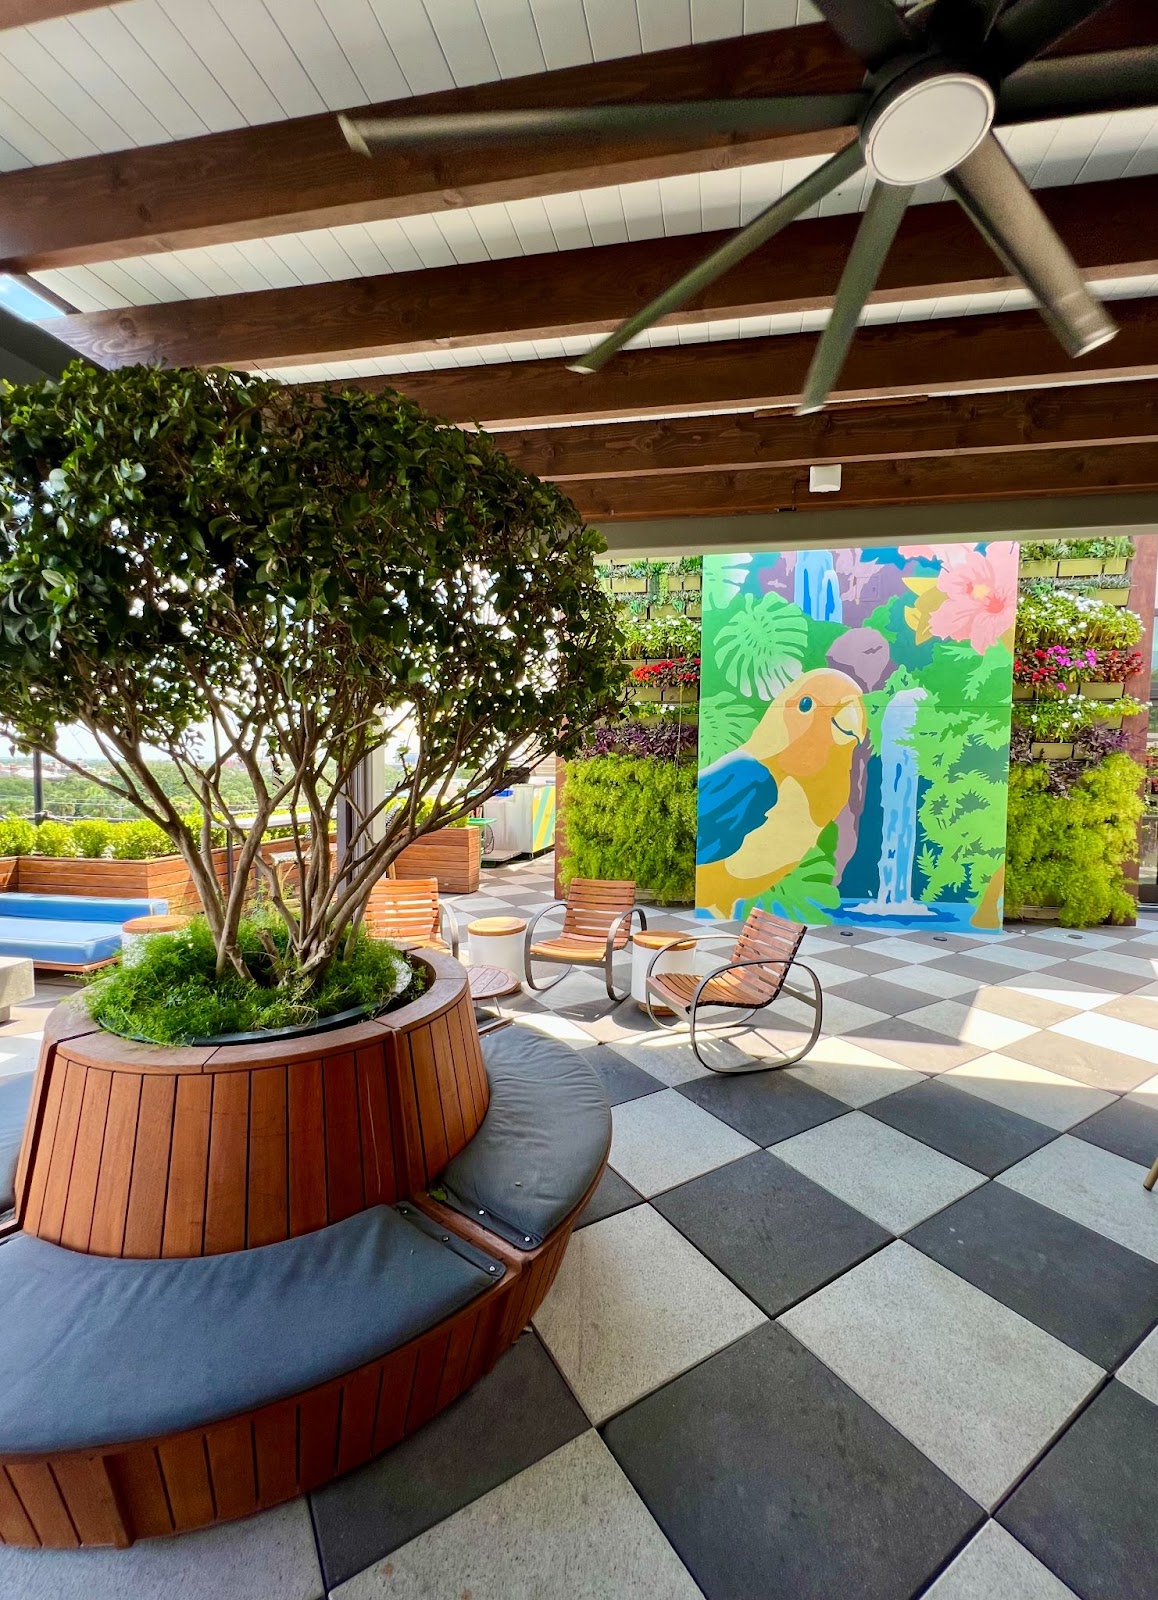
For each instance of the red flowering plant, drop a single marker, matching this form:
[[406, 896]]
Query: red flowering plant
[[1056, 666], [677, 674]]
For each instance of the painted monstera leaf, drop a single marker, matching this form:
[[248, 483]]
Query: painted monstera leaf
[[759, 650], [723, 578]]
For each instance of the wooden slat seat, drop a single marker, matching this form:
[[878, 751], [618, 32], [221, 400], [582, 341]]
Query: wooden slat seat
[[754, 976], [409, 912], [597, 920]]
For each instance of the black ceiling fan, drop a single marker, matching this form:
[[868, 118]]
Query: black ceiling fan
[[939, 77]]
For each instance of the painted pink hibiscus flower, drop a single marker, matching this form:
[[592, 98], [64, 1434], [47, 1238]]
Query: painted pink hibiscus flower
[[981, 599]]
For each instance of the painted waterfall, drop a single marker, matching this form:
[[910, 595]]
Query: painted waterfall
[[854, 735]]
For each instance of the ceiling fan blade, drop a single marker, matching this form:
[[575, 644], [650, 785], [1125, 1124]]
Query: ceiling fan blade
[[373, 135], [1004, 209], [872, 29], [1028, 27], [1073, 86], [770, 221], [873, 241]]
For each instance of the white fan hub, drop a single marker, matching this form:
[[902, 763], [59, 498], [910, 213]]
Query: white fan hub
[[925, 125]]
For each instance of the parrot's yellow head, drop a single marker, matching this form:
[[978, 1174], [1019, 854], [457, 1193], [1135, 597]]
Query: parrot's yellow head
[[818, 711]]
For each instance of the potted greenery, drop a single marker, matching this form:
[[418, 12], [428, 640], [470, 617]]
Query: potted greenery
[[217, 569]]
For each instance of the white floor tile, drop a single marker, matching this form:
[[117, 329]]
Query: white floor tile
[[993, 1566], [634, 1304], [1048, 1097], [1062, 991], [975, 1386], [970, 1024], [1128, 1038], [1141, 1370], [905, 952], [841, 1068], [1092, 1186], [939, 981], [1013, 955], [571, 1527], [895, 1180], [268, 1557], [1114, 961], [666, 1055], [663, 1139]]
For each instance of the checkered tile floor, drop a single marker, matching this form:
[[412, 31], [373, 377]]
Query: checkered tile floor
[[881, 1325]]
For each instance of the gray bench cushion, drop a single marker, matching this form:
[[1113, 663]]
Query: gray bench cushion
[[15, 1094], [541, 1143], [100, 1351]]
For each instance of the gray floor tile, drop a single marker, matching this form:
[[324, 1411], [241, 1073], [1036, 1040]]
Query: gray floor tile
[[519, 1412], [988, 971], [1082, 1061], [667, 1056], [612, 1196], [858, 960], [269, 1557], [571, 1527], [983, 1136], [1092, 1186], [774, 1232], [1090, 1507], [1128, 1127], [621, 1079], [914, 1046], [772, 1478], [634, 1304], [959, 1019], [764, 1106], [1032, 1008], [1030, 1091], [663, 1139], [895, 1180], [1092, 1294], [1098, 977], [892, 999], [976, 1387], [993, 1566]]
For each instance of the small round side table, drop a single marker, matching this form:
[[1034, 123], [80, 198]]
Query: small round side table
[[498, 942], [680, 957], [138, 929]]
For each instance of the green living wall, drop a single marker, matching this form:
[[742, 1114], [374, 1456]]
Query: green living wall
[[629, 799], [1074, 801]]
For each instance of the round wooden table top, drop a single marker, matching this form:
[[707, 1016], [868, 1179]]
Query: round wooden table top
[[496, 927], [156, 924], [488, 983], [663, 939]]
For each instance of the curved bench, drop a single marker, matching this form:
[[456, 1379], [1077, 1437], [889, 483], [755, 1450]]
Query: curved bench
[[150, 1396], [15, 1097]]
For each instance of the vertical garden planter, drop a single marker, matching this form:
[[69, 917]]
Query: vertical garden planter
[[1103, 691]]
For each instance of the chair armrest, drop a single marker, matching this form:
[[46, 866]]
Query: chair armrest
[[735, 966], [448, 927], [614, 930], [529, 937]]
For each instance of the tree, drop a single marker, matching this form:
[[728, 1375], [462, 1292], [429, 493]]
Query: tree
[[220, 568]]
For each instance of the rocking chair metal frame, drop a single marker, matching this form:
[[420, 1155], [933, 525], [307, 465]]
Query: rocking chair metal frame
[[618, 938]]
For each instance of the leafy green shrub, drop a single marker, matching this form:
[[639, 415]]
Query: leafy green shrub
[[1062, 717], [17, 836], [170, 994], [1058, 616], [629, 817], [662, 637], [92, 838], [55, 839], [139, 841], [1109, 549], [1069, 850]]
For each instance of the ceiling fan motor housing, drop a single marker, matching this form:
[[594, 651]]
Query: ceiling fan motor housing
[[924, 122]]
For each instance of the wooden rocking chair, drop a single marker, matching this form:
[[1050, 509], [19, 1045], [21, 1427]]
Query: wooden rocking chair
[[597, 923], [409, 912], [753, 979]]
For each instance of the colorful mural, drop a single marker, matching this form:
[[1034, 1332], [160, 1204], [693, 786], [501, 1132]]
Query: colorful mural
[[854, 734]]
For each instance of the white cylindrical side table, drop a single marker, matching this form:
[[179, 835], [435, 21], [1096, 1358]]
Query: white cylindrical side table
[[498, 942], [680, 957]]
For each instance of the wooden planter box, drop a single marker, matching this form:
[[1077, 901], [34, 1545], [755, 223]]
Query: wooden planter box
[[1103, 691], [1037, 914], [1038, 569], [9, 867], [452, 855], [162, 878]]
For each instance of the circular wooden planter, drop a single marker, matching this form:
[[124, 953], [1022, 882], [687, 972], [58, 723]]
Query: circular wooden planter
[[139, 1150]]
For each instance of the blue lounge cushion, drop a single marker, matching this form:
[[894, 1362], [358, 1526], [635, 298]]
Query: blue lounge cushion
[[99, 1351], [78, 944], [78, 908], [541, 1144], [15, 1095]]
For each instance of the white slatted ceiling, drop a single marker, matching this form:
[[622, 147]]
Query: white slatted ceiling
[[148, 71], [1079, 150]]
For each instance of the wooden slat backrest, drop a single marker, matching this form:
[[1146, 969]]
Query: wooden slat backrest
[[593, 904], [767, 937], [403, 908]]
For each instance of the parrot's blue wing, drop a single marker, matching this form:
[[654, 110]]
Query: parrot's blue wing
[[735, 795]]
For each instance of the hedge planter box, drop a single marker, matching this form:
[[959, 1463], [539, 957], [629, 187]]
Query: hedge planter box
[[161, 878], [1037, 914], [452, 855], [1049, 751], [1103, 691]]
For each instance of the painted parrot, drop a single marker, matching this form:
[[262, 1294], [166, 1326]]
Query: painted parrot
[[762, 807]]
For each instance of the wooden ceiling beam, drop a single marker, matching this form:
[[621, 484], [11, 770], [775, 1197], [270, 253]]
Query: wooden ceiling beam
[[925, 481], [21, 13], [1111, 229], [999, 351], [249, 183], [974, 424]]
